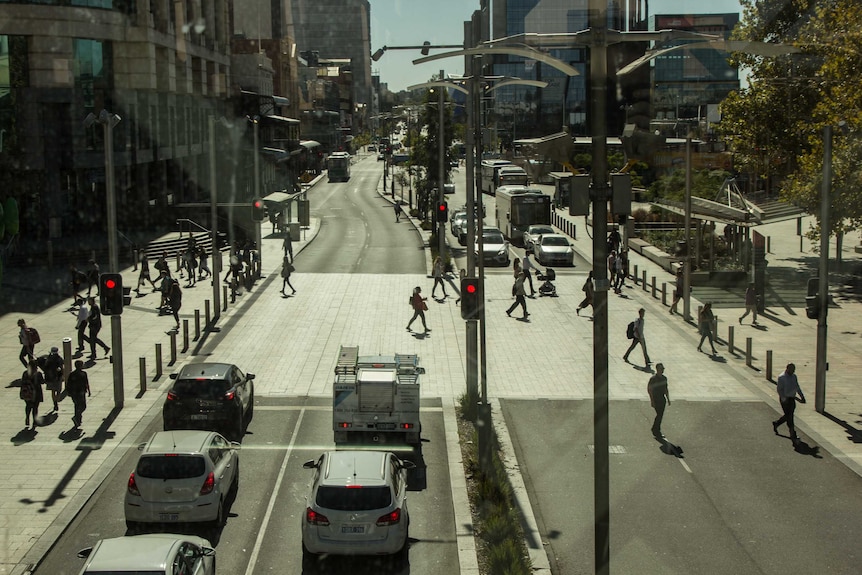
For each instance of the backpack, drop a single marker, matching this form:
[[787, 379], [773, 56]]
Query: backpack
[[27, 392], [33, 335], [630, 331]]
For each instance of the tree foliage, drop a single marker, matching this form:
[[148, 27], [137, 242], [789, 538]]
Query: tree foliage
[[775, 125]]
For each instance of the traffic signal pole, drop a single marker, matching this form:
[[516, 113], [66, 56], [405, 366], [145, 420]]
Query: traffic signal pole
[[108, 121], [441, 174]]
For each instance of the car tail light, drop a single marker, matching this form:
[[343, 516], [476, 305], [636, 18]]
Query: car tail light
[[133, 487], [312, 517], [172, 396], [407, 426], [229, 395], [342, 424], [209, 484], [390, 518]]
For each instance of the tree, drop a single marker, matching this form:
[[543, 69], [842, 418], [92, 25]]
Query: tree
[[426, 149]]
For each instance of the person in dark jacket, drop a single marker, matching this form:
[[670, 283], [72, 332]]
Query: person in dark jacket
[[94, 322], [31, 392], [78, 388], [53, 368]]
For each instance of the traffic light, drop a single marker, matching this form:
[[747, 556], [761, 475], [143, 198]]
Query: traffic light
[[257, 211], [812, 300], [471, 301], [111, 294], [442, 212]]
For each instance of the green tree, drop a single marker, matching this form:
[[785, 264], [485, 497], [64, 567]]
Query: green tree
[[426, 148]]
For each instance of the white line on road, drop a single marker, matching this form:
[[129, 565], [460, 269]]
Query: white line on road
[[252, 561], [684, 464]]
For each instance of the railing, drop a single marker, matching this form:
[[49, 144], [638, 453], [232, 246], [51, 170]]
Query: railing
[[191, 223]]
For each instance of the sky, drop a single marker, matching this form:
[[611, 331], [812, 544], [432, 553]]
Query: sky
[[441, 22]]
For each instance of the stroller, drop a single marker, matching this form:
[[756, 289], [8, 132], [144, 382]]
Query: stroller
[[547, 288]]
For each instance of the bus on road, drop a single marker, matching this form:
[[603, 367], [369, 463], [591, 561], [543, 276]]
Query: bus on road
[[338, 166], [489, 170], [519, 207]]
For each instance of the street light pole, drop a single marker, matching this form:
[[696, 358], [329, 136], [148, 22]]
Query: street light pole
[[823, 276], [257, 233], [216, 259], [686, 274], [441, 173]]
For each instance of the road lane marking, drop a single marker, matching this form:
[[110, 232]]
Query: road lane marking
[[323, 408], [684, 464], [252, 560]]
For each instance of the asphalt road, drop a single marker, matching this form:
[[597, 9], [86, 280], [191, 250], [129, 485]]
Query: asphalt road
[[724, 496], [262, 533]]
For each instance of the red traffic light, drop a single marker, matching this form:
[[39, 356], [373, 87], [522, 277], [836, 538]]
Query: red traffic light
[[258, 204], [110, 284], [470, 288]]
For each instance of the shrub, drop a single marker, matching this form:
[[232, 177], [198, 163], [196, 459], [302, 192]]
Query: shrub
[[505, 559]]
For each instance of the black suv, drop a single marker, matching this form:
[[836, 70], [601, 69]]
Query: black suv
[[211, 396]]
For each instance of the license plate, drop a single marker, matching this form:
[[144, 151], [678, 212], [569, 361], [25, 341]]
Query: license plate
[[199, 417], [353, 529], [385, 426], [169, 516]]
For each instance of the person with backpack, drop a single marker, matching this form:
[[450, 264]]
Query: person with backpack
[[635, 332], [31, 392], [94, 321], [28, 337], [53, 368], [78, 388], [175, 300]]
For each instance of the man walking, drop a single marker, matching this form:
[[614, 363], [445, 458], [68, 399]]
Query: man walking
[[527, 268], [27, 343], [81, 324], [397, 212], [638, 338], [78, 388], [677, 290], [788, 390], [520, 296], [659, 397], [750, 304], [94, 321], [53, 369]]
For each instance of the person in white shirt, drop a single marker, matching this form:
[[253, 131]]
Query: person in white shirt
[[788, 390], [81, 324], [639, 338], [527, 267]]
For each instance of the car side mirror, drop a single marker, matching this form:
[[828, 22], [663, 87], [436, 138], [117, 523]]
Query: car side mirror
[[173, 376], [85, 552], [249, 376], [235, 445], [408, 465], [310, 464], [208, 551], [141, 446]]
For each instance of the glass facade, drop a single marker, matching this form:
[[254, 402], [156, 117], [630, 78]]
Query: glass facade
[[13, 74]]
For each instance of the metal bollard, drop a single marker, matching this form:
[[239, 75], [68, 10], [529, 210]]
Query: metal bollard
[[158, 361], [135, 259], [67, 357], [574, 232], [748, 351], [142, 370], [769, 364], [730, 331], [653, 286], [197, 324], [635, 275], [224, 298], [769, 244], [207, 313], [714, 326], [185, 335], [173, 336], [663, 293], [643, 281]]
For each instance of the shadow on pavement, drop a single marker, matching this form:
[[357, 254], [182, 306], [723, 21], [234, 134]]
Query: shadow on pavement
[[854, 434]]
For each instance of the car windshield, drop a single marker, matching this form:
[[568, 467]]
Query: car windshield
[[353, 498], [554, 241], [540, 231], [493, 237], [200, 388], [171, 466]]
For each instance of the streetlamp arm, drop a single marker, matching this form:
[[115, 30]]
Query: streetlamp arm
[[523, 51], [755, 48], [585, 38], [441, 84], [515, 82]]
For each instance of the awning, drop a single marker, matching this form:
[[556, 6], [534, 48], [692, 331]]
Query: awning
[[282, 119], [309, 144], [279, 198]]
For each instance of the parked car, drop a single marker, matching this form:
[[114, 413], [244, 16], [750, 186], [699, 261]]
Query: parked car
[[448, 188], [534, 232], [495, 247], [356, 504], [184, 476], [211, 396], [455, 221], [151, 554], [554, 249], [381, 156]]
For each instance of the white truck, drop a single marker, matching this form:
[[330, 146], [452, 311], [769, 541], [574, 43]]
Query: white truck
[[376, 398]]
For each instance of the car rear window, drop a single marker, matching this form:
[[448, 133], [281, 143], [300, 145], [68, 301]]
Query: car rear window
[[354, 498], [171, 466], [554, 241], [202, 388]]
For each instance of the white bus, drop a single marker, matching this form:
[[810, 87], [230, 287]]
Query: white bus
[[489, 174], [518, 208]]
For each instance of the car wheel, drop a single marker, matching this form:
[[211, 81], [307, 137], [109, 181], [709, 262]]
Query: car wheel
[[309, 559], [237, 430], [132, 527], [218, 522]]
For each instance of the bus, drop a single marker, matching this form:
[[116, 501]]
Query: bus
[[338, 166], [519, 207], [496, 173]]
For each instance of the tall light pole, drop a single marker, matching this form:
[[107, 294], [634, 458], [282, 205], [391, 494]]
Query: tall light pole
[[823, 276], [108, 121], [441, 168], [216, 258], [255, 122]]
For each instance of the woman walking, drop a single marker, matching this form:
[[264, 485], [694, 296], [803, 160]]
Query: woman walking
[[438, 277], [417, 302], [589, 290], [704, 322], [286, 269], [144, 276], [31, 392]]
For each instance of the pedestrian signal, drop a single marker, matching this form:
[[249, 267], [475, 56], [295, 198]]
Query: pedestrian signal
[[111, 294], [257, 210], [471, 300], [442, 212]]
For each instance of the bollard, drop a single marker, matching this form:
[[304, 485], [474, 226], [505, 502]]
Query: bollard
[[197, 324], [635, 275], [173, 336], [748, 351], [142, 370], [185, 335], [643, 280], [730, 331], [135, 259], [769, 244], [207, 313], [224, 298], [769, 364], [67, 357], [158, 361], [663, 293], [653, 286], [800, 244], [574, 232], [714, 326]]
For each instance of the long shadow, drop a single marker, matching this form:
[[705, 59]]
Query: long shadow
[[669, 448], [854, 434]]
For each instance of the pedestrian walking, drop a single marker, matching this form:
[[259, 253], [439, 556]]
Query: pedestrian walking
[[659, 397], [677, 290], [202, 263], [94, 322], [175, 300], [516, 270], [286, 269], [288, 245], [589, 290], [612, 267], [192, 265], [417, 302], [614, 240], [31, 392], [144, 275], [78, 388], [398, 212], [788, 390], [81, 324], [26, 338], [437, 272], [619, 272], [750, 304], [164, 282], [638, 337], [527, 266], [53, 368], [93, 273], [520, 296], [161, 264], [77, 279], [704, 326]]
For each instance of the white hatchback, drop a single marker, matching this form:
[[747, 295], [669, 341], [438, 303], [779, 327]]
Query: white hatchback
[[153, 554], [357, 504], [182, 476]]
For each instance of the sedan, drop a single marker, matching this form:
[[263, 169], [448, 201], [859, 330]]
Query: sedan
[[455, 221], [381, 156], [211, 396], [534, 232], [554, 249], [182, 477], [495, 247], [152, 554]]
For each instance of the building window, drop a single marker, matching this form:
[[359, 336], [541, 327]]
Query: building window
[[13, 74]]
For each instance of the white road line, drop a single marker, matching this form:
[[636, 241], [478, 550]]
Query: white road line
[[684, 464], [252, 561], [324, 408]]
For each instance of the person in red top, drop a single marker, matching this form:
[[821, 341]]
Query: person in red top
[[417, 302]]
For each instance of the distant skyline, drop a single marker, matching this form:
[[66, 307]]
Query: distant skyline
[[441, 22]]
